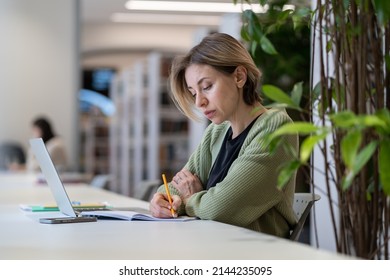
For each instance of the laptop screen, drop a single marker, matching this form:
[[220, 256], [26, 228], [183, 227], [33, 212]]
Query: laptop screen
[[51, 175]]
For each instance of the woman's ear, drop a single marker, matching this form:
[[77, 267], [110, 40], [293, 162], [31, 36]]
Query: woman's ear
[[240, 75]]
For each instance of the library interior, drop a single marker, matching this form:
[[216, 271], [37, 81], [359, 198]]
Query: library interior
[[98, 71]]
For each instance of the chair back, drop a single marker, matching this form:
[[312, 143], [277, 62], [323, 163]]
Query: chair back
[[11, 152], [100, 181], [302, 205], [147, 189]]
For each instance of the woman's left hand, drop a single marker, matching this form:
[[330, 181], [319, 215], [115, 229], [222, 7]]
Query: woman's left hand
[[187, 184]]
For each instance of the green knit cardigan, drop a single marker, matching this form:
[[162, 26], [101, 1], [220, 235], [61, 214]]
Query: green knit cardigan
[[248, 196]]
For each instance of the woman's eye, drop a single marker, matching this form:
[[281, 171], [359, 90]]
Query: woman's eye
[[207, 87], [192, 92]]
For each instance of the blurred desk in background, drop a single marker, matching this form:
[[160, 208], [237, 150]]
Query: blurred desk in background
[[17, 179], [27, 179]]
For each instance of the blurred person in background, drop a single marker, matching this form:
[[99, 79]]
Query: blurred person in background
[[42, 128]]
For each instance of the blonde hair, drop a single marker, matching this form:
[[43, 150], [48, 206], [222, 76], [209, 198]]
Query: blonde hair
[[222, 52]]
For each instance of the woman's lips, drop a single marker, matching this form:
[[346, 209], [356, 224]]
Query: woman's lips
[[209, 114]]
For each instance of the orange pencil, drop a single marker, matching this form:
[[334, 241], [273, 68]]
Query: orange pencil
[[168, 194]]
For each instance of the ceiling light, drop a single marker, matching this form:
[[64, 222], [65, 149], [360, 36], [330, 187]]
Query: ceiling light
[[214, 7], [166, 19]]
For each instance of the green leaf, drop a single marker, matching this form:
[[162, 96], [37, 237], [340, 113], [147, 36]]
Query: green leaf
[[387, 60], [361, 159], [347, 180], [253, 48], [301, 17], [338, 97], [252, 24], [349, 147], [308, 145], [276, 94], [320, 103], [287, 171], [384, 165], [283, 16], [303, 12], [316, 91], [296, 93], [263, 2], [346, 4], [267, 46], [248, 14], [273, 143], [382, 9], [302, 128], [278, 106], [297, 21], [348, 119], [244, 34], [372, 120], [329, 46], [273, 28], [384, 115], [364, 155], [344, 119]]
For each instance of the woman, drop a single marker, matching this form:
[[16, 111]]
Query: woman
[[231, 177], [41, 128]]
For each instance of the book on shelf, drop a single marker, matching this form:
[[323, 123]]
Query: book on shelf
[[133, 215]]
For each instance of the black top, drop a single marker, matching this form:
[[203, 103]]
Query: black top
[[228, 153]]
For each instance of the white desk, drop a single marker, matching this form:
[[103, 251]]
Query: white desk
[[23, 237]]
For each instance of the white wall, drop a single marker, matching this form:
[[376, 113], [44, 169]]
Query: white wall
[[39, 69]]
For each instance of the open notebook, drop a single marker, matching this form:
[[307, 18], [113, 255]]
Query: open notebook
[[132, 215]]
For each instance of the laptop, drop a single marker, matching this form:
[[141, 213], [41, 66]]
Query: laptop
[[56, 186], [73, 213]]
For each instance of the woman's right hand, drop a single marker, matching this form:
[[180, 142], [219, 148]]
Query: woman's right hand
[[160, 207]]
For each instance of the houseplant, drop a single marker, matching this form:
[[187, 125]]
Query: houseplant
[[345, 115]]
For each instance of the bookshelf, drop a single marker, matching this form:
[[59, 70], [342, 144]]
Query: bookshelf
[[95, 143], [168, 132], [94, 110], [126, 128]]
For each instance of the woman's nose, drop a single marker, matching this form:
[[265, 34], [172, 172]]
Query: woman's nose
[[200, 100]]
